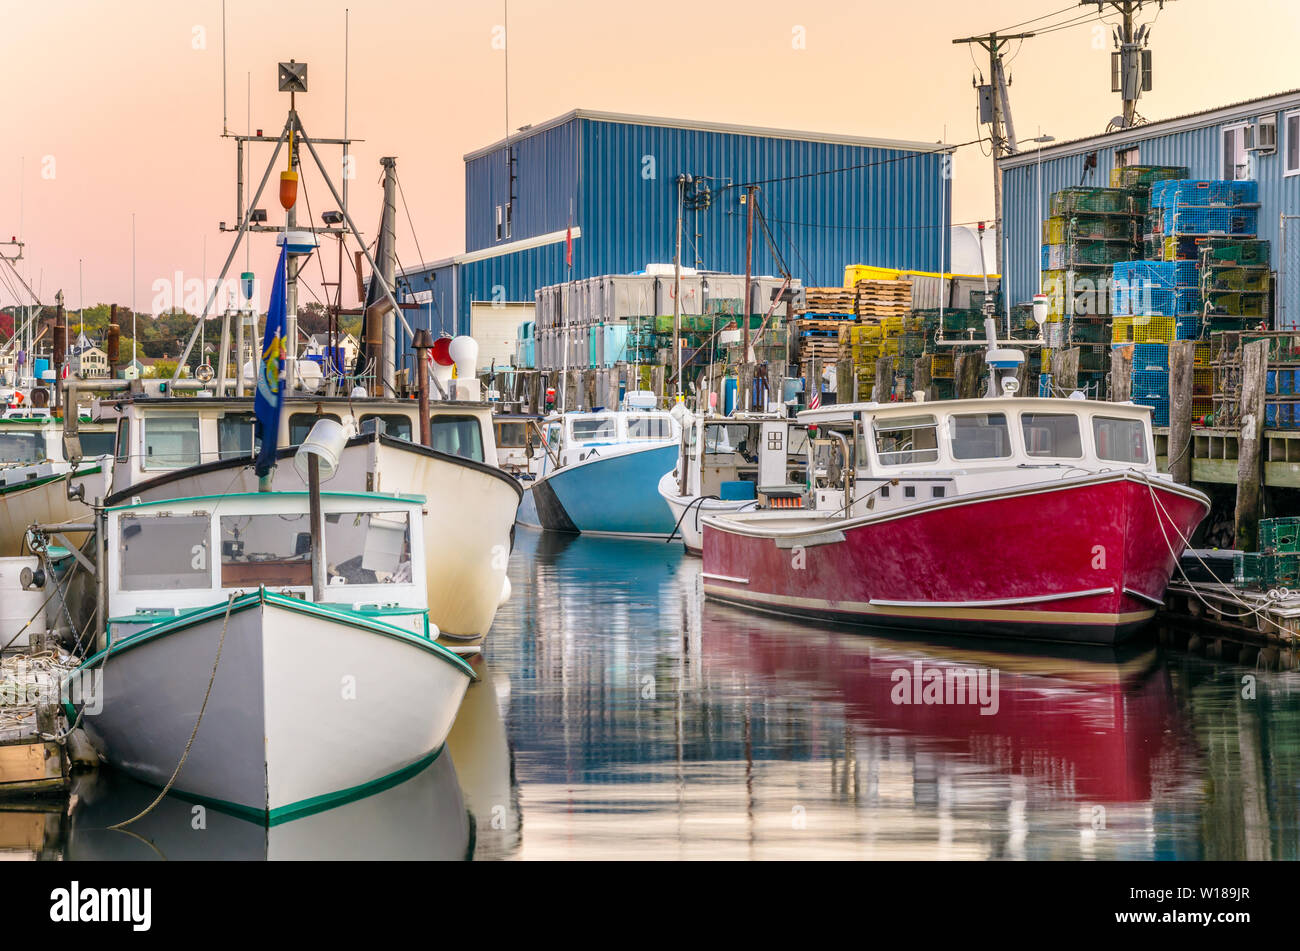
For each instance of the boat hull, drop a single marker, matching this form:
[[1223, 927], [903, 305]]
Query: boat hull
[[467, 528], [1084, 560], [309, 708], [44, 500], [689, 512], [609, 495]]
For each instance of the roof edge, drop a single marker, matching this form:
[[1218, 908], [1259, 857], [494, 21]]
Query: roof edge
[[597, 115], [1148, 130]]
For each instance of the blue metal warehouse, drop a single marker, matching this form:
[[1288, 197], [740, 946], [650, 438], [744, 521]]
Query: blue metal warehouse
[[613, 178], [1258, 139]]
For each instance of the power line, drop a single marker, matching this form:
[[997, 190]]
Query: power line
[[911, 156], [1045, 16]]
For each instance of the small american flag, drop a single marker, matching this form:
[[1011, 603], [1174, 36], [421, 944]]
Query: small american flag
[[815, 401]]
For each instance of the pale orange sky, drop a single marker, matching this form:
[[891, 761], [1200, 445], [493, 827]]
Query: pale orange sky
[[118, 103]]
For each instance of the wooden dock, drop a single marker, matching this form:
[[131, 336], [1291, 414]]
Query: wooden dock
[[1245, 627], [30, 764]]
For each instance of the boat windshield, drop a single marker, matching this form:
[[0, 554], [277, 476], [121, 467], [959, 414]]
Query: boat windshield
[[649, 426], [587, 428], [275, 550], [910, 440], [1120, 440], [728, 438], [21, 448], [980, 436], [1054, 435], [164, 552]]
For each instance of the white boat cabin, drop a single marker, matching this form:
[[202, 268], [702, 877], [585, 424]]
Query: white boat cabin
[[31, 444], [171, 557], [155, 435], [574, 437], [757, 457], [877, 456]]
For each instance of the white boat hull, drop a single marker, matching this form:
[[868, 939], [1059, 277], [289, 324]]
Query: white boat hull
[[308, 708], [689, 512]]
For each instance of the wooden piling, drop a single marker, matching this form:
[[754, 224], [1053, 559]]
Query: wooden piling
[[843, 382], [1182, 357], [968, 367], [1065, 369], [921, 376], [883, 385], [1253, 384], [1121, 373]]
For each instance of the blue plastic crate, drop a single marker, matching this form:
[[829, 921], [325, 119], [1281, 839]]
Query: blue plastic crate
[[1159, 408], [1151, 356]]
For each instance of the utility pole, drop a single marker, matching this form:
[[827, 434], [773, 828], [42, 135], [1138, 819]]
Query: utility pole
[[1130, 71], [995, 111], [750, 193]]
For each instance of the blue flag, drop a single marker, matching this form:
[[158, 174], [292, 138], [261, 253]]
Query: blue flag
[[270, 373]]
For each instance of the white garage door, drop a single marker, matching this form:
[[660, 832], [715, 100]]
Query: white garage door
[[495, 327]]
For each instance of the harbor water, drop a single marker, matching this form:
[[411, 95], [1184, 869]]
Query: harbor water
[[621, 716]]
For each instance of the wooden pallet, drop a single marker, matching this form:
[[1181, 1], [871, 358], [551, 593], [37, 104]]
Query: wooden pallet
[[829, 299]]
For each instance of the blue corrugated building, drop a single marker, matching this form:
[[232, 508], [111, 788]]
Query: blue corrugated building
[[1258, 139], [613, 178]]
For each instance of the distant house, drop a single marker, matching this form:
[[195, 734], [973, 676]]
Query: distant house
[[317, 344], [88, 361]]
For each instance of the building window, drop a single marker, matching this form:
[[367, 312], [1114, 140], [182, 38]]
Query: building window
[[1292, 143], [510, 217], [1236, 160], [1126, 158], [500, 224]]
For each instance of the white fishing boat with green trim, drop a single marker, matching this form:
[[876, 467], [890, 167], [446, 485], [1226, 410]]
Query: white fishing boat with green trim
[[270, 653], [35, 478]]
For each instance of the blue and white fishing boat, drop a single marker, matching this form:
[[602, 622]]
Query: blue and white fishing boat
[[600, 472]]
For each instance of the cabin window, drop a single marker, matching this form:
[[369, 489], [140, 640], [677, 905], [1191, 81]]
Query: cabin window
[[457, 436], [300, 425], [1120, 440], [271, 550], [910, 440], [164, 552], [649, 427], [724, 440], [1054, 435], [123, 440], [171, 442], [98, 443], [235, 439], [21, 447], [511, 435], [391, 424], [588, 428], [368, 548], [981, 436]]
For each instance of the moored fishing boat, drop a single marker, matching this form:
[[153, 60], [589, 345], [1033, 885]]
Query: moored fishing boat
[[1042, 518], [1031, 517], [175, 448], [35, 478], [732, 464], [600, 474], [289, 643]]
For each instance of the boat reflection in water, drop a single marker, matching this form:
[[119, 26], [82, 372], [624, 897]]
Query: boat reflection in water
[[423, 817], [647, 723]]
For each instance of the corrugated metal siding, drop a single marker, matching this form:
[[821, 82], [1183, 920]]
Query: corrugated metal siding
[[886, 215], [546, 170], [1200, 149]]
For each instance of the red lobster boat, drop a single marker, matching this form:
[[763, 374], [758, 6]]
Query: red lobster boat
[[1025, 517]]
